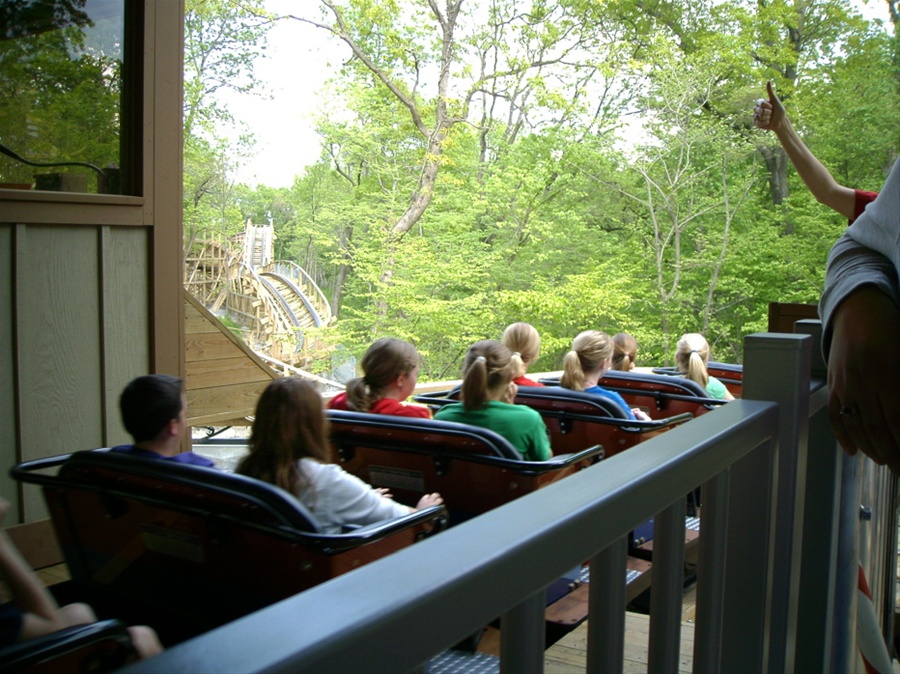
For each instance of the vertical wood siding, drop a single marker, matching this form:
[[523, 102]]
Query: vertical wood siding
[[90, 285]]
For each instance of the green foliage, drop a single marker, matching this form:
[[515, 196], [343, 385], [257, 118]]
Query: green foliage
[[222, 41], [546, 206], [60, 100]]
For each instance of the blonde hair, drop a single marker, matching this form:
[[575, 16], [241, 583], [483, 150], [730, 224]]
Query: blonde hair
[[382, 363], [589, 351], [624, 351], [487, 367], [691, 357], [523, 340]]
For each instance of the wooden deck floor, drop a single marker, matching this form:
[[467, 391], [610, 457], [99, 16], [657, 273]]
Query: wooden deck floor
[[569, 654]]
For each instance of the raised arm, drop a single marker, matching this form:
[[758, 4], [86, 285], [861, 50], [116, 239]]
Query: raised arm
[[770, 115]]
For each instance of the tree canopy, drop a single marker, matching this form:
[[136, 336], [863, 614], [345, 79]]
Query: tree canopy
[[570, 163]]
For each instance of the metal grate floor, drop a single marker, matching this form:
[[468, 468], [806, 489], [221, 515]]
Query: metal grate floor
[[461, 662]]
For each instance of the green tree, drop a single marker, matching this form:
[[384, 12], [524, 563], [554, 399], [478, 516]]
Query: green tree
[[60, 96], [223, 39]]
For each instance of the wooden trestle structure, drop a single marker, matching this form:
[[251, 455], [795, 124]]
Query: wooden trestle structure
[[242, 309], [272, 303]]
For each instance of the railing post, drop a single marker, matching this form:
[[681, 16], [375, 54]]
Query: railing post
[[522, 636], [777, 368], [711, 576], [847, 568], [816, 602], [663, 652], [606, 603], [748, 561]]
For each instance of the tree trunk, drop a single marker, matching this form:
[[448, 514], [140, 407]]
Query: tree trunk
[[777, 162], [338, 291]]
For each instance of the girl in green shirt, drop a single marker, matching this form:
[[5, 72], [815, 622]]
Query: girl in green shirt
[[487, 401]]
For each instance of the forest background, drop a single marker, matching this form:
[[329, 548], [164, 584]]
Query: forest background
[[570, 163]]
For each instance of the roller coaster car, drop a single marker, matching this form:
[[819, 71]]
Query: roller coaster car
[[576, 419], [97, 647], [473, 468], [185, 548], [660, 396], [730, 374]]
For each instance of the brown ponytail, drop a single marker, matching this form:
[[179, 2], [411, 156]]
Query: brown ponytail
[[487, 367], [382, 363], [624, 352]]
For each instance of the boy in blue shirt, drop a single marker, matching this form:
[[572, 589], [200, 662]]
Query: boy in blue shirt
[[154, 414]]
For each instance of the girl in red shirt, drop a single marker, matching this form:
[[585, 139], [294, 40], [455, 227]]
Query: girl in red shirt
[[523, 340], [391, 370]]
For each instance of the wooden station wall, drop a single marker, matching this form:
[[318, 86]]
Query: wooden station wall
[[90, 285], [224, 376]]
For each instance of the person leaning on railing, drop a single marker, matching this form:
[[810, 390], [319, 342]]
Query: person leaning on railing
[[860, 311]]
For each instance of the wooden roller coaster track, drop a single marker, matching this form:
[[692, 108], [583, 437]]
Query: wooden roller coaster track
[[273, 304]]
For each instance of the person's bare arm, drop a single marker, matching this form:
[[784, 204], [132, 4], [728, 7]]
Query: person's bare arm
[[27, 590], [770, 115]]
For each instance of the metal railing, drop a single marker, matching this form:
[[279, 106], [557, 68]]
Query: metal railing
[[776, 575]]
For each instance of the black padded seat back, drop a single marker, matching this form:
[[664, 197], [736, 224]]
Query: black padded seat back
[[732, 371], [185, 548], [554, 397], [223, 494], [649, 383], [653, 382], [424, 435], [101, 646]]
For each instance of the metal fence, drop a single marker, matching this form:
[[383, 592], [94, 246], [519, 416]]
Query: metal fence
[[776, 575]]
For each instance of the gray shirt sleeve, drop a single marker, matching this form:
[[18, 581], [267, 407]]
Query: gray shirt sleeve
[[336, 498], [867, 254]]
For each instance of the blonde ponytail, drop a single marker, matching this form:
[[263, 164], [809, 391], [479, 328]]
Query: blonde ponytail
[[524, 341], [573, 373], [590, 350], [691, 357]]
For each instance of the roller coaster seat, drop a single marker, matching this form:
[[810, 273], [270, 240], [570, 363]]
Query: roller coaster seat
[[576, 419], [185, 548], [473, 468], [730, 374], [96, 647], [660, 396]]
